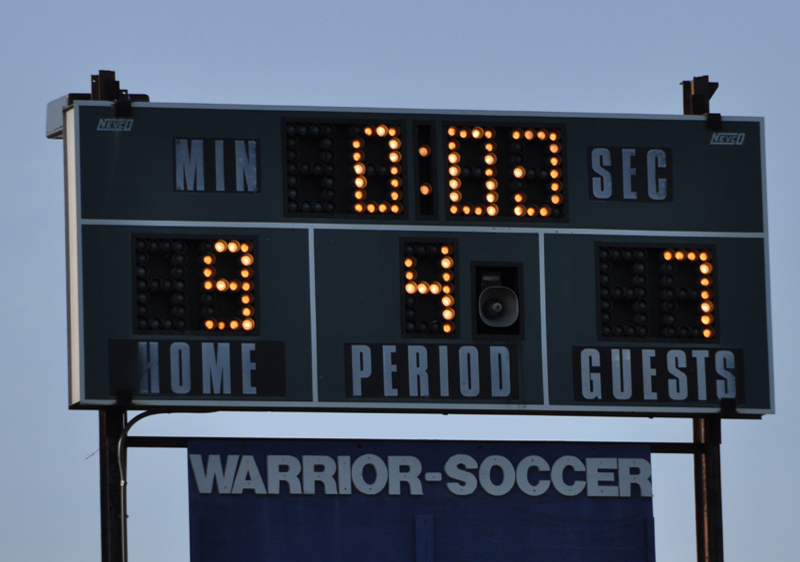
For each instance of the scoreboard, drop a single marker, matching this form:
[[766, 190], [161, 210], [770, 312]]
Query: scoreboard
[[273, 258]]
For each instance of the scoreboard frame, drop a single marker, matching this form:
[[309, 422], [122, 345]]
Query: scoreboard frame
[[543, 351]]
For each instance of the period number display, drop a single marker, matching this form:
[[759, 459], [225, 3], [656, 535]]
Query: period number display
[[429, 290]]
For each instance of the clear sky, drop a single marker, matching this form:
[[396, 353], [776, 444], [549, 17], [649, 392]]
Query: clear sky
[[569, 56]]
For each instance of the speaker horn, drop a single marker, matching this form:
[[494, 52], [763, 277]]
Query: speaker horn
[[498, 307]]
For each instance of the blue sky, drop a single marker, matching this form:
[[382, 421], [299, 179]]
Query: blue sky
[[570, 56]]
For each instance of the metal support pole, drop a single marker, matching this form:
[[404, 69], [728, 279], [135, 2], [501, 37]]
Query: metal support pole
[[122, 457], [707, 429], [112, 424], [708, 489], [113, 419]]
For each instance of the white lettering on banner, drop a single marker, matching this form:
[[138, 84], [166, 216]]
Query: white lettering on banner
[[507, 481], [400, 475], [599, 471], [405, 469], [381, 474], [345, 472], [557, 476], [283, 468], [248, 477], [640, 478], [214, 473], [311, 476], [523, 475], [457, 467]]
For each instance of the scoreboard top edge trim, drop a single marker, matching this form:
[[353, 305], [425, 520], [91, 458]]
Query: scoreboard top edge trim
[[432, 112]]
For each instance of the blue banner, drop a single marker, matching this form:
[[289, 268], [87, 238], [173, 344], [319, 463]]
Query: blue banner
[[419, 501]]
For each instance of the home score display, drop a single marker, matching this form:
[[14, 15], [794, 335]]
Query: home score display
[[334, 259]]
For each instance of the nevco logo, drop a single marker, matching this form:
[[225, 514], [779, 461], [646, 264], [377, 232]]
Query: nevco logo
[[115, 124], [728, 139]]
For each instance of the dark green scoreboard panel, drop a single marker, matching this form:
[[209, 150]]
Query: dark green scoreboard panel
[[386, 260]]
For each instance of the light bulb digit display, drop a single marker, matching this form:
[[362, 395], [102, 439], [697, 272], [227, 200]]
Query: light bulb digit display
[[192, 285], [428, 282], [509, 172], [344, 170], [656, 292]]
